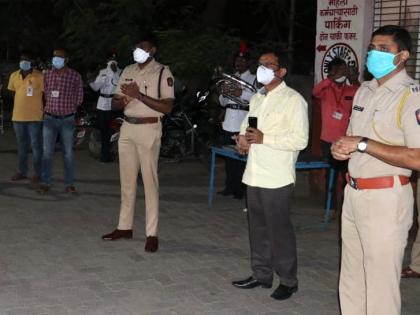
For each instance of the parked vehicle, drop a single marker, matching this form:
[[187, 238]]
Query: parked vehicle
[[95, 143], [191, 128], [83, 122]]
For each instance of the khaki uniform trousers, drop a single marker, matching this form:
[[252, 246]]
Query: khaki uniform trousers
[[139, 146], [415, 251], [375, 224]]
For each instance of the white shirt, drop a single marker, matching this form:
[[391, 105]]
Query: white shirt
[[234, 117], [105, 83], [283, 119]]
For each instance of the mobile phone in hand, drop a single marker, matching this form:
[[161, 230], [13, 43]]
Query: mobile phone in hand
[[253, 122]]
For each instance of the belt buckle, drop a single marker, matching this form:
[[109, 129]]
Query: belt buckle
[[353, 183]]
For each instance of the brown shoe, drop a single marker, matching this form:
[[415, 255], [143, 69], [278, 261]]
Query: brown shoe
[[71, 190], [152, 244], [407, 272], [43, 189], [18, 176], [117, 234]]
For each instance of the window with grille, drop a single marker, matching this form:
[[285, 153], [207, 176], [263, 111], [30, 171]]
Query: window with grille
[[405, 13]]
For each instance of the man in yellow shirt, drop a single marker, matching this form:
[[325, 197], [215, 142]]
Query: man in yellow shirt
[[27, 86], [273, 143]]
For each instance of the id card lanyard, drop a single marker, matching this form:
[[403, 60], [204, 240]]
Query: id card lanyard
[[29, 88], [55, 92], [337, 114]]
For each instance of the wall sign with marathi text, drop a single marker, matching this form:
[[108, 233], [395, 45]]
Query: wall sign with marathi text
[[339, 50], [343, 30]]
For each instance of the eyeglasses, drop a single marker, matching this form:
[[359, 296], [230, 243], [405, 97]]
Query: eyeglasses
[[269, 64]]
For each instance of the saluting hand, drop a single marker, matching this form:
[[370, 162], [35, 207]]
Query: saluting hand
[[254, 135]]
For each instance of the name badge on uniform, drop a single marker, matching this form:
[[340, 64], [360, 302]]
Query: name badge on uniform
[[29, 91], [337, 115], [55, 93]]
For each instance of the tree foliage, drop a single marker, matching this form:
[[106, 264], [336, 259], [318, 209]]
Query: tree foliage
[[194, 35]]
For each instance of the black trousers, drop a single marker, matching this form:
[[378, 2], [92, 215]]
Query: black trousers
[[340, 168], [104, 121], [271, 234], [234, 168]]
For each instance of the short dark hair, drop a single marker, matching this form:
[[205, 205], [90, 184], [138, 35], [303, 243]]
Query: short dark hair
[[335, 63], [281, 56], [61, 47], [400, 35], [151, 38], [26, 53]]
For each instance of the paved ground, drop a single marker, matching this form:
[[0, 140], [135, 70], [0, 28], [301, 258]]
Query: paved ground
[[53, 261]]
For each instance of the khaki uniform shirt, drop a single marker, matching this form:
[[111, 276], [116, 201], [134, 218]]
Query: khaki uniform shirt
[[282, 117], [375, 115], [148, 81]]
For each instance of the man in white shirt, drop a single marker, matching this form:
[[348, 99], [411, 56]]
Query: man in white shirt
[[272, 147], [106, 82], [234, 115]]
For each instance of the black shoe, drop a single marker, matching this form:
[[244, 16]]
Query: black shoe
[[225, 192], [283, 292], [250, 283]]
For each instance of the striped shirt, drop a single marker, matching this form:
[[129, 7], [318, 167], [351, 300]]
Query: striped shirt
[[63, 91]]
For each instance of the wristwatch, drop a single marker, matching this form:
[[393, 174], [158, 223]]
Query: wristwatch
[[362, 145]]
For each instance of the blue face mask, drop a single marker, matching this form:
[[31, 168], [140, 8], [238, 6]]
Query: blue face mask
[[58, 62], [380, 63], [25, 65]]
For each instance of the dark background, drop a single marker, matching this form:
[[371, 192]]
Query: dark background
[[195, 36]]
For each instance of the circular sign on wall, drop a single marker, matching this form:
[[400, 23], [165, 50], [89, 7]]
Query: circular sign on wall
[[339, 50]]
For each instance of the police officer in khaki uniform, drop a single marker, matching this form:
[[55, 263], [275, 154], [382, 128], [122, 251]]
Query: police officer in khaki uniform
[[413, 269], [146, 92], [382, 145]]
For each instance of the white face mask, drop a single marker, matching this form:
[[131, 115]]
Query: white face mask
[[140, 56], [265, 75], [341, 79]]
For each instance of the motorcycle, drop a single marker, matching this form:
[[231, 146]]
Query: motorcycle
[[83, 122], [95, 143], [191, 128]]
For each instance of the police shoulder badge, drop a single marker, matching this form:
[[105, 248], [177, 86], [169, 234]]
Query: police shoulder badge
[[170, 81], [418, 116]]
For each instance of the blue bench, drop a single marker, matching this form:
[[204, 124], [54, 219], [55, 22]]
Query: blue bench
[[229, 152]]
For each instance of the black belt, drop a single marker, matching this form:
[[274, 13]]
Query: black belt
[[59, 116], [237, 106], [106, 95]]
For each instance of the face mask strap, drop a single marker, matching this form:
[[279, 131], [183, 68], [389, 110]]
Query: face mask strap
[[400, 59]]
